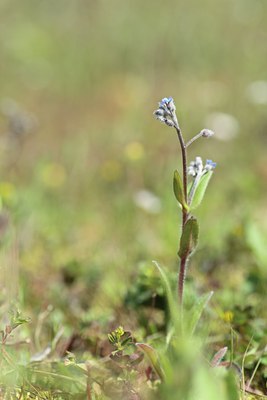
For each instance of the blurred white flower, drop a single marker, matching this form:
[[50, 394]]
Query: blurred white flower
[[147, 201], [257, 92], [225, 125]]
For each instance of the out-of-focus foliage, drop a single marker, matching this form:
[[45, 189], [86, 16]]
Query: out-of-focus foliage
[[86, 175]]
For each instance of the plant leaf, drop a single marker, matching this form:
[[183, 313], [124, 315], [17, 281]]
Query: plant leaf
[[217, 358], [170, 298], [178, 190], [153, 357], [231, 386], [189, 238], [197, 311], [200, 190]]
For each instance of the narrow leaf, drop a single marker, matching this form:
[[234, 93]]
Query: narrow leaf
[[178, 189], [217, 358], [197, 312], [189, 238], [200, 190], [153, 357], [170, 298], [42, 355]]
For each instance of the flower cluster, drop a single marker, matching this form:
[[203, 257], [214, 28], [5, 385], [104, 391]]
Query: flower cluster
[[196, 167], [166, 112]]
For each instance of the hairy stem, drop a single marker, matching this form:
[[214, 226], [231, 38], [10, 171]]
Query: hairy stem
[[181, 279], [193, 139], [182, 271], [184, 159]]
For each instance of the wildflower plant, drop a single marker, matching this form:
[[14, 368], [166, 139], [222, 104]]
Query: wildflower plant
[[189, 187], [181, 359]]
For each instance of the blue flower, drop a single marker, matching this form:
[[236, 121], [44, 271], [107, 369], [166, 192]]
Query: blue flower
[[165, 101], [210, 164]]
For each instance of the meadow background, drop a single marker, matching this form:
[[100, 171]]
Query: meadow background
[[86, 171]]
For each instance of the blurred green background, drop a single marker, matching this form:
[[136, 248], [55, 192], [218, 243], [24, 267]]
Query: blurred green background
[[86, 171]]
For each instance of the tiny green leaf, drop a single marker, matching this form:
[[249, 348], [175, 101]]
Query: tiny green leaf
[[16, 319], [153, 357], [111, 338], [200, 190], [189, 238], [178, 189]]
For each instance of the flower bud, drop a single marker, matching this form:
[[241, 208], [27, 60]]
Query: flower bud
[[159, 112], [206, 133], [169, 122], [171, 105], [195, 167], [198, 162]]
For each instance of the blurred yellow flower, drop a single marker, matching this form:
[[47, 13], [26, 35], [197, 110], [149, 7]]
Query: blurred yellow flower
[[7, 192], [134, 151], [228, 316]]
